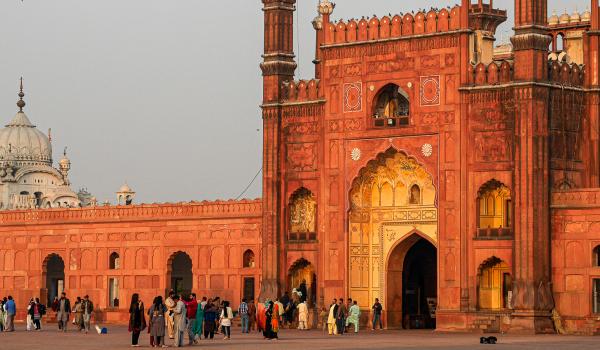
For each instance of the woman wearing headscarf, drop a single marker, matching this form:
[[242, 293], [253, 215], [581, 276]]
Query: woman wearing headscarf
[[197, 328], [156, 316], [137, 320], [271, 323]]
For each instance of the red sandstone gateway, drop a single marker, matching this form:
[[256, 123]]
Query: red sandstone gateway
[[456, 181]]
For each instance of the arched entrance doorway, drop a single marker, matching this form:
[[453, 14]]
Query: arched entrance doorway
[[180, 273], [53, 277], [393, 232], [411, 284], [302, 277]]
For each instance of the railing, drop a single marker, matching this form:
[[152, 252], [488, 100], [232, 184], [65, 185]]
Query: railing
[[494, 233]]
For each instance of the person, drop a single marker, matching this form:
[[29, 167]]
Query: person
[[34, 313], [156, 318], [331, 318], [285, 301], [302, 316], [377, 310], [251, 315], [29, 321], [271, 323], [137, 319], [303, 291], [260, 317], [244, 317], [191, 307], [63, 313], [54, 305], [78, 320], [353, 316], [179, 313], [2, 315], [341, 315], [87, 307], [281, 308], [323, 318], [11, 309], [210, 317], [225, 319], [170, 304], [199, 320]]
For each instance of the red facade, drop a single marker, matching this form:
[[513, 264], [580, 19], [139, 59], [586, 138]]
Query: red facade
[[456, 184]]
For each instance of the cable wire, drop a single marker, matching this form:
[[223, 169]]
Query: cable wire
[[250, 184]]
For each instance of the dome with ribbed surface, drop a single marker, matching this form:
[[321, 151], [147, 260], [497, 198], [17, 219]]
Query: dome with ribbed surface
[[23, 144]]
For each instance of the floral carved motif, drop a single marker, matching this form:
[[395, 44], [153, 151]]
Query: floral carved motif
[[391, 66], [493, 147], [430, 90], [302, 156]]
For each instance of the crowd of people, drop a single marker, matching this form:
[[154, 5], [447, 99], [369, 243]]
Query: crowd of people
[[181, 317]]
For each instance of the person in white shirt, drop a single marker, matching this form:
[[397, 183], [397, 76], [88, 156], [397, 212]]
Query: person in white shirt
[[226, 316], [179, 320], [302, 316]]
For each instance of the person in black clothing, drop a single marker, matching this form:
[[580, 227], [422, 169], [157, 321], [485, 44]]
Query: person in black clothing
[[377, 310], [137, 319], [210, 318], [303, 291]]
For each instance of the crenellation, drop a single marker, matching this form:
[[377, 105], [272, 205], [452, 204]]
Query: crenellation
[[390, 27], [302, 90]]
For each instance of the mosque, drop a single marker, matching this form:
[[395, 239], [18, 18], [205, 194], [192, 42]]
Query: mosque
[[454, 178]]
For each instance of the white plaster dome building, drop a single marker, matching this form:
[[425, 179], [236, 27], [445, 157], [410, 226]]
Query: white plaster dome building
[[27, 177]]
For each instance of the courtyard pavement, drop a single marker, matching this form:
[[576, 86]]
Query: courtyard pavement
[[119, 338]]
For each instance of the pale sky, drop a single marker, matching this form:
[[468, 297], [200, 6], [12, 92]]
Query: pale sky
[[163, 94]]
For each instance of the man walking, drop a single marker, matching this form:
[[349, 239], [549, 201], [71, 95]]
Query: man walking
[[243, 312], [331, 318], [64, 310], [353, 316], [88, 307], [191, 308], [170, 304], [11, 309], [342, 313], [377, 309], [303, 316]]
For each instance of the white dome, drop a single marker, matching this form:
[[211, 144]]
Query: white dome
[[125, 188], [22, 143]]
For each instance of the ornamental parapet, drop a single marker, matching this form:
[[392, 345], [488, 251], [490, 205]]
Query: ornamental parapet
[[390, 27], [302, 90], [141, 212]]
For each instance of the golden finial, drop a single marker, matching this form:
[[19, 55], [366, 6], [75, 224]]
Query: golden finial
[[21, 103]]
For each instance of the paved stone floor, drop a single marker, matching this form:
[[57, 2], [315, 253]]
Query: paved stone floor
[[118, 338]]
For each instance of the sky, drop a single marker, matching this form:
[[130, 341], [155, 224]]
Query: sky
[[161, 94]]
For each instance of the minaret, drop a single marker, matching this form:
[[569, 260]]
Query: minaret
[[591, 154], [532, 291], [278, 66]]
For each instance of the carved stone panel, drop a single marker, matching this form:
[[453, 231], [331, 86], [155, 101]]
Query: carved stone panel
[[302, 156], [353, 97]]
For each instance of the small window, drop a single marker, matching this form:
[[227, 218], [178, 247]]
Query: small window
[[249, 259], [392, 108], [596, 296], [415, 195], [596, 257], [114, 261]]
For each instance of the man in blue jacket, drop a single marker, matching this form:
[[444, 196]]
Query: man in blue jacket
[[11, 309]]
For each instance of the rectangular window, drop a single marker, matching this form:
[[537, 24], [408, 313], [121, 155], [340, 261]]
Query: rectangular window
[[596, 296], [113, 292]]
